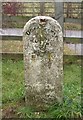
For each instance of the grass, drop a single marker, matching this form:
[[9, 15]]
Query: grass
[[12, 80], [73, 40], [72, 26], [13, 93]]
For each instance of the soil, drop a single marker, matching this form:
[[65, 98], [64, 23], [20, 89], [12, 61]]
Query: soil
[[9, 110]]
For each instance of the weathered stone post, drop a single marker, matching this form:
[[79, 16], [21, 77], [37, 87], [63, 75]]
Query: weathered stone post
[[43, 59]]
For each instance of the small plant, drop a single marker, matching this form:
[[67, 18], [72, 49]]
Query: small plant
[[25, 112]]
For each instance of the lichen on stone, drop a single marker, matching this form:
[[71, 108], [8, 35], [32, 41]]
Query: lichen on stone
[[43, 58]]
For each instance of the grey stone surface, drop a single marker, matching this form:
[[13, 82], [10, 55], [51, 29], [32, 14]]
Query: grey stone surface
[[43, 59]]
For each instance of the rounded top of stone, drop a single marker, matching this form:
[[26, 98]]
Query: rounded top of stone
[[42, 17], [41, 20]]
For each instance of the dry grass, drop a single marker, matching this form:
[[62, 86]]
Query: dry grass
[[17, 46], [72, 26], [12, 46], [68, 51]]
